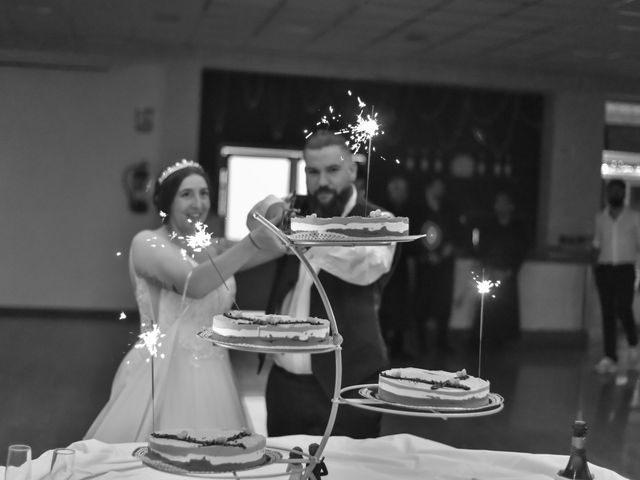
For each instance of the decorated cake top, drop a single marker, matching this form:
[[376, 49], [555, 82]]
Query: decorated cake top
[[206, 438], [381, 214], [378, 215], [437, 379]]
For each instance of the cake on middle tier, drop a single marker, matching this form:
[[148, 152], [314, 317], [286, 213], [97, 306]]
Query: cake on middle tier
[[271, 330], [432, 388]]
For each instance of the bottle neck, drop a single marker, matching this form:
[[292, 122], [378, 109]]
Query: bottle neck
[[578, 443]]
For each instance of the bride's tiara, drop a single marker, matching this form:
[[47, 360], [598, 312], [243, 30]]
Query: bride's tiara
[[184, 163]]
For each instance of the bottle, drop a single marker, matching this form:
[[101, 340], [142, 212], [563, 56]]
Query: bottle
[[577, 468]]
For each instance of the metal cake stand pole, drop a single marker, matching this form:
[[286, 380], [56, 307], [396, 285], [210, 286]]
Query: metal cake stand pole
[[290, 244]]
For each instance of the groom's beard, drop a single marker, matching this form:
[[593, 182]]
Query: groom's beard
[[335, 206]]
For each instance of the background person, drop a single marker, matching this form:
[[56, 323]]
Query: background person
[[396, 309], [616, 245], [438, 220], [501, 251]]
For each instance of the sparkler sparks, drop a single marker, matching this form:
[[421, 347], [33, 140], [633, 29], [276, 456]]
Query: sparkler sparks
[[199, 242], [200, 239], [359, 133], [151, 341], [362, 132], [485, 286]]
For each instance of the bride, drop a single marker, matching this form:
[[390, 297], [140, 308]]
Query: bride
[[178, 290]]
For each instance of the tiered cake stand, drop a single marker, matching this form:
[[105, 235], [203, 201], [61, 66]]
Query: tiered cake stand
[[360, 396]]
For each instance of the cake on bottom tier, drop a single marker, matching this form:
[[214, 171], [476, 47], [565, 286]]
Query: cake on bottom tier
[[432, 388], [204, 450], [270, 330]]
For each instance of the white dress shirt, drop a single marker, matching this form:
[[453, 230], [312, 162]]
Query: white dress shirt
[[361, 265], [618, 239]]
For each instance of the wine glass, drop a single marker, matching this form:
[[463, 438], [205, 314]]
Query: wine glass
[[62, 464], [18, 463]]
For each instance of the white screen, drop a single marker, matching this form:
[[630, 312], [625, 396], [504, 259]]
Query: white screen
[[301, 179], [250, 180]]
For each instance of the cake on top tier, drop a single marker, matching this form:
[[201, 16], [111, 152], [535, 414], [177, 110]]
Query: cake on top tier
[[377, 224], [272, 330], [206, 450], [433, 388]]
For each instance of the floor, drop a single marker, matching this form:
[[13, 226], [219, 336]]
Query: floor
[[544, 389], [56, 374]]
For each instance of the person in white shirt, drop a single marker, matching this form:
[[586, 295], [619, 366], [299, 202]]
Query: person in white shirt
[[616, 246], [300, 386]]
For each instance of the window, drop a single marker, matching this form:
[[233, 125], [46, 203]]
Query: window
[[249, 176]]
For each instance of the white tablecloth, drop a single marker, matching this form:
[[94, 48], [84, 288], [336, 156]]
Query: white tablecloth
[[397, 457]]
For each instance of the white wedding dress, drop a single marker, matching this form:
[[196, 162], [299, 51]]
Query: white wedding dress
[[194, 384]]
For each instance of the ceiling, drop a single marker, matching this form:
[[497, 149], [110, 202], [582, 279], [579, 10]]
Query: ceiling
[[576, 37]]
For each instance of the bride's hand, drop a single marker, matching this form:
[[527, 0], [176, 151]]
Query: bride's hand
[[265, 239], [272, 208]]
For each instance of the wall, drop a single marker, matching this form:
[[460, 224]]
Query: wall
[[66, 136], [570, 179], [65, 139]]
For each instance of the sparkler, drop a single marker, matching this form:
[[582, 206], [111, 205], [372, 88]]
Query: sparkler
[[484, 286], [199, 242], [150, 340], [360, 134]]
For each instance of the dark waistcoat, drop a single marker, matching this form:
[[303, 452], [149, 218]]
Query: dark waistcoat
[[356, 309]]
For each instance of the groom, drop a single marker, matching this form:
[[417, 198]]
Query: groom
[[300, 386]]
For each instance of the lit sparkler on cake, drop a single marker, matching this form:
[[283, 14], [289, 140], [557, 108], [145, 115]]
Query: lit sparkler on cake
[[150, 339], [484, 287], [360, 134]]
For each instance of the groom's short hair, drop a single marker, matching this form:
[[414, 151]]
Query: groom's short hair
[[326, 138]]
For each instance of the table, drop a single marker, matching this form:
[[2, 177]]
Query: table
[[397, 457]]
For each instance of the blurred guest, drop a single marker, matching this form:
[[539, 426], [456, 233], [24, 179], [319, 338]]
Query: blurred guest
[[501, 251], [438, 220], [616, 245], [396, 312]]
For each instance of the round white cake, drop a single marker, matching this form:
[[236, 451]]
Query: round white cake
[[272, 330], [377, 224], [205, 450], [432, 388]]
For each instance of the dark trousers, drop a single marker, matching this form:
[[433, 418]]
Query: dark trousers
[[434, 297], [615, 287], [296, 404]]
